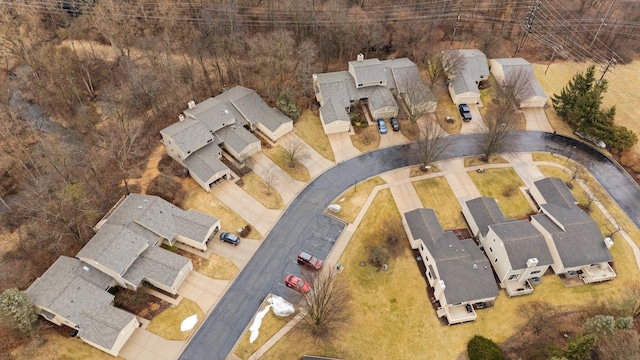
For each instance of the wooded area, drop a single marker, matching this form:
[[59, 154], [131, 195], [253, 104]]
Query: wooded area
[[87, 85]]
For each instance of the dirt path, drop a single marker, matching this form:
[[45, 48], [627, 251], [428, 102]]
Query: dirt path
[[151, 171]]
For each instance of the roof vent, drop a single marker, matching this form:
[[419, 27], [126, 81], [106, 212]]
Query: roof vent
[[475, 266], [181, 117], [85, 268], [609, 242], [360, 57], [139, 206], [532, 262], [191, 104]]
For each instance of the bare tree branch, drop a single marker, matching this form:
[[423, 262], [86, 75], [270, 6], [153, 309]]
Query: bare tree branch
[[295, 152], [497, 131], [431, 143]]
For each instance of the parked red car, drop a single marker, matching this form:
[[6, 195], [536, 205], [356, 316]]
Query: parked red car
[[308, 260], [296, 283]]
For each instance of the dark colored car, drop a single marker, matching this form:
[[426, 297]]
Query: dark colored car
[[308, 260], [465, 112], [395, 125], [230, 238], [382, 126], [296, 283]]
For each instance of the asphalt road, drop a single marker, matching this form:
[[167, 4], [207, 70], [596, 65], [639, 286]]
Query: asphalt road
[[304, 226]]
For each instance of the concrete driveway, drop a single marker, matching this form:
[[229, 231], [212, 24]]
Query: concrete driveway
[[315, 163], [474, 125], [284, 184], [536, 120], [392, 138], [342, 146]]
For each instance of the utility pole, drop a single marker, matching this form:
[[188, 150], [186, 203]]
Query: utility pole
[[610, 64], [528, 26], [455, 27], [555, 50], [602, 23]]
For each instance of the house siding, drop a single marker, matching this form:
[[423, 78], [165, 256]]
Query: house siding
[[557, 266], [277, 134], [122, 339], [494, 248], [463, 98], [473, 226]]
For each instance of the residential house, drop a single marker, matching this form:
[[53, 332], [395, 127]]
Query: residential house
[[205, 129], [457, 270], [516, 250], [471, 72], [372, 81], [573, 237], [74, 294], [519, 72]]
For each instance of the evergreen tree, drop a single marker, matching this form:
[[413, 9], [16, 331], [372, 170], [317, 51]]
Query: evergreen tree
[[17, 310]]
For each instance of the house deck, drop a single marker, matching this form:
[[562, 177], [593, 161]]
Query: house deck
[[517, 288], [597, 273], [457, 314]]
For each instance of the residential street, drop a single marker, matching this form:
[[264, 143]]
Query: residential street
[[303, 225]]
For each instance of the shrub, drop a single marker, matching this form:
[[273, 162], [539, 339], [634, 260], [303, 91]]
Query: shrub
[[168, 188], [245, 230], [17, 310], [510, 190], [378, 255], [481, 348]]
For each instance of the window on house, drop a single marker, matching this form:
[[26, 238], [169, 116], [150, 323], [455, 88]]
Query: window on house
[[189, 152], [494, 239], [359, 85], [430, 276], [496, 260], [490, 249], [536, 272], [422, 247], [513, 277]]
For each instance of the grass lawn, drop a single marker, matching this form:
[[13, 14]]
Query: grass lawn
[[278, 155], [367, 138], [620, 91], [436, 194], [494, 182], [255, 186], [354, 199], [207, 203], [269, 327], [167, 323], [475, 160], [217, 267], [309, 129], [410, 131], [445, 108], [53, 345]]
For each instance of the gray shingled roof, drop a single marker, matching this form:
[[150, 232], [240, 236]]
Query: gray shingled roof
[[555, 191], [77, 292], [581, 243], [379, 97], [474, 68], [402, 69], [461, 264], [485, 212], [213, 114], [102, 325], [205, 163], [158, 265], [331, 113], [194, 224], [151, 212], [116, 246], [255, 110], [368, 71], [337, 87], [237, 138], [523, 241], [189, 135], [513, 65]]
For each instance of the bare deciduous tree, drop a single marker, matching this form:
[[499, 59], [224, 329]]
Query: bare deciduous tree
[[295, 152], [445, 65], [417, 96], [269, 177], [538, 314], [621, 345], [515, 87], [431, 143], [326, 305], [497, 131]]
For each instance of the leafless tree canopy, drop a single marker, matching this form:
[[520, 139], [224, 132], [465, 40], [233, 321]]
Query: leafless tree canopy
[[497, 133], [445, 65], [326, 305], [295, 152], [431, 143], [515, 87], [417, 96], [269, 177]]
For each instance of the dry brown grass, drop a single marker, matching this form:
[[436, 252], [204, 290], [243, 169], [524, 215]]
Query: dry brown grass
[[278, 155], [207, 203], [270, 325], [366, 139], [493, 182], [354, 199], [255, 186], [217, 267], [621, 94], [436, 194], [309, 129], [410, 131], [445, 108], [476, 160], [167, 324], [55, 346]]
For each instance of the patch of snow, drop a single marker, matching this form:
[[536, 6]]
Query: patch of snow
[[255, 327], [189, 323], [281, 307]]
